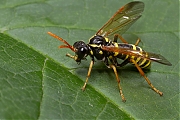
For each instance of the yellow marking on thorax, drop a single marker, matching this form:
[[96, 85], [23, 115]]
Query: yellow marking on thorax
[[107, 39], [94, 45], [91, 52], [101, 52], [110, 57]]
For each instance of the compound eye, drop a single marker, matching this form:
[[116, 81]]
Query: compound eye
[[83, 44], [79, 44], [83, 50]]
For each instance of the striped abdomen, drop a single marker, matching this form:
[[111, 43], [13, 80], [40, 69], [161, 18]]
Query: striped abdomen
[[143, 63]]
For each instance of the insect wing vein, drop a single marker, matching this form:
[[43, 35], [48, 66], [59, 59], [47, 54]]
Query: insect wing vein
[[122, 19]]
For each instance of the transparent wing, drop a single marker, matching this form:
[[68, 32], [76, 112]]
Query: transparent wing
[[142, 54], [122, 19]]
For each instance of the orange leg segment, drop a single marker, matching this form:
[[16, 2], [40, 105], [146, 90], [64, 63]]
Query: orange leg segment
[[88, 75], [89, 71], [116, 36], [137, 42], [118, 80], [147, 80], [71, 56]]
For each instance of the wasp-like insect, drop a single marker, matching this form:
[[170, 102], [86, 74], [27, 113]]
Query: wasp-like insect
[[103, 45]]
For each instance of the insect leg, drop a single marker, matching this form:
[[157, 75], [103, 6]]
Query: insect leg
[[115, 62], [137, 42], [123, 63], [71, 56], [147, 80], [116, 36], [88, 75], [118, 80]]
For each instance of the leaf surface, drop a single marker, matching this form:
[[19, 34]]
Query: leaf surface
[[38, 81]]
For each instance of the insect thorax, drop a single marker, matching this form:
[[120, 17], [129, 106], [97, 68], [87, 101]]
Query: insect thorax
[[95, 44]]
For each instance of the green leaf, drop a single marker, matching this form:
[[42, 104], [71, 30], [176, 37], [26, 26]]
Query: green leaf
[[38, 81]]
